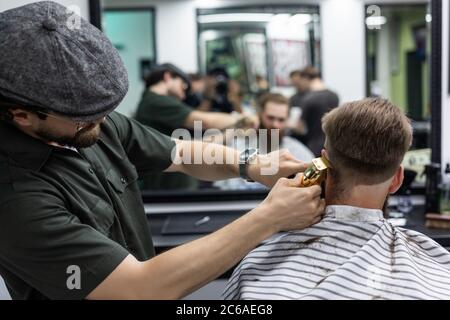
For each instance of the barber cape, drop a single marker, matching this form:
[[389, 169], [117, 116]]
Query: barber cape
[[353, 253]]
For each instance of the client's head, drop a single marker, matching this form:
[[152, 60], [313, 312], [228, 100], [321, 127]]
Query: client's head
[[365, 143]]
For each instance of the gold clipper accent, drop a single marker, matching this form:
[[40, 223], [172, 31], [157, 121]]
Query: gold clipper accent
[[315, 173]]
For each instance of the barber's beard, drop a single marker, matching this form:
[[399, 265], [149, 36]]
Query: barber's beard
[[84, 138], [271, 142]]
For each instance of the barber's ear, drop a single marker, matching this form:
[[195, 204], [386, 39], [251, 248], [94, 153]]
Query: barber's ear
[[324, 154], [22, 117], [397, 181]]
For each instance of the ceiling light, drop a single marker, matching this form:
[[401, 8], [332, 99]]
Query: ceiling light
[[375, 21], [235, 17]]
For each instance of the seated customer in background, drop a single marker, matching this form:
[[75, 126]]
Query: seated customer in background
[[273, 116], [354, 252]]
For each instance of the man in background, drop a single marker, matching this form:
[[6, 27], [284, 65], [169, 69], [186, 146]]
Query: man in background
[[318, 101], [223, 93], [273, 116], [195, 95], [353, 253], [301, 85]]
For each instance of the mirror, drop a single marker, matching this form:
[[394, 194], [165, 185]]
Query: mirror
[[244, 51], [137, 49], [398, 51], [257, 45]]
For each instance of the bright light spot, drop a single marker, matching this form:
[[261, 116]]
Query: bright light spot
[[235, 17], [375, 21]]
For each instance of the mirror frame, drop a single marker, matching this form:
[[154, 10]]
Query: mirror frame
[[436, 81], [95, 13]]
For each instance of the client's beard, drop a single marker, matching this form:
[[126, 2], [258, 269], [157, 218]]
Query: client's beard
[[269, 143], [84, 138]]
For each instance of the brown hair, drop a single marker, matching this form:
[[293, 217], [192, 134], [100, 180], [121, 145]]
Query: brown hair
[[271, 97], [295, 73], [310, 73], [367, 140]]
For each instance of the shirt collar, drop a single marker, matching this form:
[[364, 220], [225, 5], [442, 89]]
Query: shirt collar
[[353, 213], [23, 149]]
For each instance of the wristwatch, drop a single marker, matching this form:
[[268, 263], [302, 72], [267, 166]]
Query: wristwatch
[[245, 159]]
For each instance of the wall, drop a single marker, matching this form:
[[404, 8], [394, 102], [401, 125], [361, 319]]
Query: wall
[[133, 47], [445, 85], [343, 47]]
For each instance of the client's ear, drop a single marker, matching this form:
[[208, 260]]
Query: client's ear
[[397, 181]]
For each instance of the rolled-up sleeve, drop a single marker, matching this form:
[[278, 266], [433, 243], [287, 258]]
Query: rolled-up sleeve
[[149, 150]]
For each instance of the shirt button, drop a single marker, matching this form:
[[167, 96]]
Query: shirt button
[[91, 170], [123, 180]]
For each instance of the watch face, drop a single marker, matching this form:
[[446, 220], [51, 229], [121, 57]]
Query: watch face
[[247, 154], [251, 152]]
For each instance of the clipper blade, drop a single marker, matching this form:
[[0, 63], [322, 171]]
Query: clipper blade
[[315, 173]]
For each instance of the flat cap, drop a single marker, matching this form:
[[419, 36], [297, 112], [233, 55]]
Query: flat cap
[[54, 59]]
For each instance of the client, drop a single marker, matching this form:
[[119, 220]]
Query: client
[[354, 252]]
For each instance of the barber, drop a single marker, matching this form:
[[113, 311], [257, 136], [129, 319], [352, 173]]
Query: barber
[[72, 222]]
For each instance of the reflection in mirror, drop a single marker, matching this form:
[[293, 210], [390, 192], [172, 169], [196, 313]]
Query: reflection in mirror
[[245, 52], [259, 46], [398, 68]]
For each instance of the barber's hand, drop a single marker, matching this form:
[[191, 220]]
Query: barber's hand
[[268, 169], [247, 122], [289, 207]]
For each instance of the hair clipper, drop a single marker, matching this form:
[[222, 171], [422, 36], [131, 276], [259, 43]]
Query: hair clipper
[[316, 173]]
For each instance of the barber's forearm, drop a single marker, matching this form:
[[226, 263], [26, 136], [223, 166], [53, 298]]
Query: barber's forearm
[[189, 267], [207, 161], [211, 120]]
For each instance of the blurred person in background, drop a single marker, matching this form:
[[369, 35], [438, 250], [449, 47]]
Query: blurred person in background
[[315, 104], [262, 85], [224, 94], [273, 115], [195, 95], [301, 85], [161, 108]]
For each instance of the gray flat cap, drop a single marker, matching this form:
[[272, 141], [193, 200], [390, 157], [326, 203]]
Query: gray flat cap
[[51, 58]]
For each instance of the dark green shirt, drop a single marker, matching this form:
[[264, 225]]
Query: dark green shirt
[[62, 208], [165, 114]]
